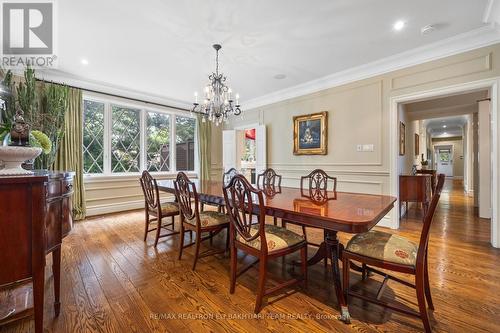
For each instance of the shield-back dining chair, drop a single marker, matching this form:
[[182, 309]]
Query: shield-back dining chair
[[391, 252], [269, 181], [155, 210], [194, 220], [244, 204]]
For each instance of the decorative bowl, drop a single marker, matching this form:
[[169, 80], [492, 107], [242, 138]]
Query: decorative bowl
[[12, 158]]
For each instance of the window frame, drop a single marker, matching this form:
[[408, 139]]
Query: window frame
[[143, 108]]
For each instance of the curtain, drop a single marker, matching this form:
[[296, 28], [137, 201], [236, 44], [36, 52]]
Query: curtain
[[70, 153], [204, 149]]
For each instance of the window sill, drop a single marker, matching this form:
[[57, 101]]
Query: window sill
[[99, 178]]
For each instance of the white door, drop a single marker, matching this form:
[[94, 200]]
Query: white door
[[229, 149], [260, 149], [444, 159]]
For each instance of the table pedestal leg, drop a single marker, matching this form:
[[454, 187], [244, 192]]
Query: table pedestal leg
[[334, 251]]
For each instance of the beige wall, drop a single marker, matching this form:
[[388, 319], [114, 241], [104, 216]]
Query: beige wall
[[359, 114]]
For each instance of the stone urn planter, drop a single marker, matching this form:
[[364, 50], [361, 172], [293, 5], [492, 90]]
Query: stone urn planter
[[12, 157]]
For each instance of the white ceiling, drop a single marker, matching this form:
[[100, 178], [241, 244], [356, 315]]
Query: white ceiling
[[454, 126], [163, 48]]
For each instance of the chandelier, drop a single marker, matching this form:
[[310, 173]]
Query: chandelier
[[218, 100]]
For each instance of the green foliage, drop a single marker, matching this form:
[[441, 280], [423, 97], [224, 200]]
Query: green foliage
[[8, 114], [44, 106], [41, 140]]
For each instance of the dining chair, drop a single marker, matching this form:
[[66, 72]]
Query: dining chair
[[268, 181], [229, 174], [156, 210], [194, 220], [244, 204], [315, 185], [395, 253]]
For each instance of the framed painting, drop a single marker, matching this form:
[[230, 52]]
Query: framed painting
[[402, 138], [417, 145], [310, 134]]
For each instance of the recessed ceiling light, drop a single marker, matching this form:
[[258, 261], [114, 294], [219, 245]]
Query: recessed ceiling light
[[444, 126], [280, 76], [399, 25], [84, 62]]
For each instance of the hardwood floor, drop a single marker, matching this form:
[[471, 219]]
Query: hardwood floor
[[114, 282]]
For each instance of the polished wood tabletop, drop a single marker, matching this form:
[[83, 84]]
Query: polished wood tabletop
[[336, 211]]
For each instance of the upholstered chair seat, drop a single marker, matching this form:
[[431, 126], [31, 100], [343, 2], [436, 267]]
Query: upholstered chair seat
[[210, 218], [167, 208], [277, 238], [384, 246]]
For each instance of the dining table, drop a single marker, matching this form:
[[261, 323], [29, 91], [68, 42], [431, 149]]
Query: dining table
[[332, 211]]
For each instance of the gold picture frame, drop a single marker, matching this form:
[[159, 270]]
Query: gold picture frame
[[310, 134], [417, 144], [402, 138]]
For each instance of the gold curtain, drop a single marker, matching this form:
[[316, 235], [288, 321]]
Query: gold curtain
[[70, 153], [204, 149]]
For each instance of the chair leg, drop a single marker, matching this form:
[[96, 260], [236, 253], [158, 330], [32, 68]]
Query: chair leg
[[181, 247], [173, 222], [420, 288], [234, 255], [262, 283], [158, 230], [427, 285], [197, 249], [303, 264], [325, 261], [346, 268], [211, 238], [275, 220], [202, 206], [304, 233], [147, 226]]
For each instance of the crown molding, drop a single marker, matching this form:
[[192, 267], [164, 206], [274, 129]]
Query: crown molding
[[106, 88], [474, 39]]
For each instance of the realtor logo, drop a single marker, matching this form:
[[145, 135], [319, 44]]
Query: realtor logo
[[28, 34]]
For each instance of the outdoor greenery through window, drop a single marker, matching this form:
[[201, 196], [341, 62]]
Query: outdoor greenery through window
[[121, 139], [158, 138], [185, 143], [93, 137]]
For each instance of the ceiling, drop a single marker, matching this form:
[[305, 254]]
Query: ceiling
[[163, 48], [454, 126]]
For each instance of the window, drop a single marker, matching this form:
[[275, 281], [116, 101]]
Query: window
[[184, 129], [93, 137], [126, 138], [158, 142]]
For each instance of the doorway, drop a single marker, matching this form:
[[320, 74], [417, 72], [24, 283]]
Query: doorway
[[492, 86], [244, 149], [444, 160]]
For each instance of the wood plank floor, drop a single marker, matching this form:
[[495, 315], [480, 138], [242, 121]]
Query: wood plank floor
[[114, 282]]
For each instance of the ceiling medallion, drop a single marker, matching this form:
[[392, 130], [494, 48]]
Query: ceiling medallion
[[218, 101]]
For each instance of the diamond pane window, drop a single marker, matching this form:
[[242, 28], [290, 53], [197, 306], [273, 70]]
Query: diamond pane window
[[93, 137], [184, 141], [158, 142], [125, 139]]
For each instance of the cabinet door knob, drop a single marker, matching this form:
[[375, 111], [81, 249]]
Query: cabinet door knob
[[69, 186]]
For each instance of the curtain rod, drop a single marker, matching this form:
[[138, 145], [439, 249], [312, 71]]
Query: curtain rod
[[115, 95]]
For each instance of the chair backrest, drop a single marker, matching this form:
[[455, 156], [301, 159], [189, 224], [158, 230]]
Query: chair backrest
[[185, 193], [424, 236], [228, 175], [317, 183], [268, 178], [150, 190], [243, 202]]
